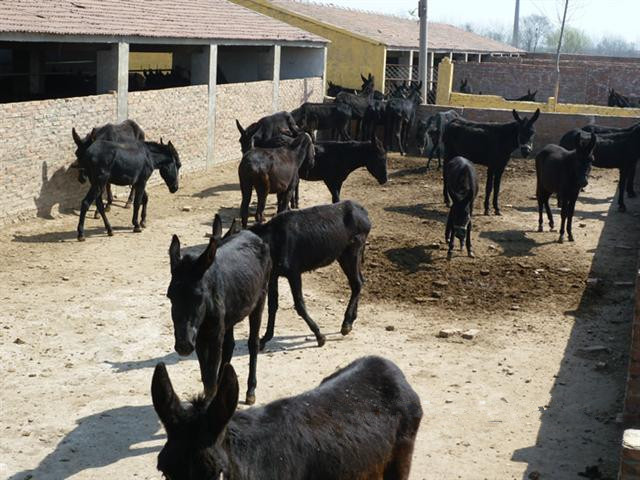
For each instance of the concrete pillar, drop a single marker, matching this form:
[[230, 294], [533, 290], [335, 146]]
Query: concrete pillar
[[36, 71], [324, 73], [123, 81], [430, 69], [466, 57], [112, 71], [479, 58], [211, 53], [445, 82], [276, 77], [410, 73]]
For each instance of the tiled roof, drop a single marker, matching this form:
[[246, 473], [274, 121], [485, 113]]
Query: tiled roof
[[395, 31], [201, 19]]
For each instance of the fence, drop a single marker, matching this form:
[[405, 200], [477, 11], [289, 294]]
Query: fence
[[396, 75], [446, 96]]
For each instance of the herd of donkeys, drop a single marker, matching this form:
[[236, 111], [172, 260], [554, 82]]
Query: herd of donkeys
[[361, 421]]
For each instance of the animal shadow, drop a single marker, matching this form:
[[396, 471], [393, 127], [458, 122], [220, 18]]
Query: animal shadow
[[61, 188], [514, 243], [411, 259], [57, 237], [419, 210], [169, 359], [213, 191], [99, 440]]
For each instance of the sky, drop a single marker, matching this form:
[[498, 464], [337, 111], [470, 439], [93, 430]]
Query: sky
[[619, 18]]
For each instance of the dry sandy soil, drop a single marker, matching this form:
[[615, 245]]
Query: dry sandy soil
[[83, 324]]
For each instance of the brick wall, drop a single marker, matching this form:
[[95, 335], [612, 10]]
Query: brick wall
[[37, 149], [176, 114], [294, 93], [549, 128], [581, 81], [247, 102]]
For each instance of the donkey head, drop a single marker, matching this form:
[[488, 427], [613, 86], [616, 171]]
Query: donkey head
[[306, 151], [82, 143], [526, 132], [246, 138], [194, 447], [584, 159], [377, 161], [188, 293], [170, 168], [464, 86], [368, 84]]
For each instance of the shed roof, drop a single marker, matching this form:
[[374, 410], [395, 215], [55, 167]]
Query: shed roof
[[396, 32], [179, 19]]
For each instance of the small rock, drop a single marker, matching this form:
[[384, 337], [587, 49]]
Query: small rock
[[492, 247], [601, 365], [389, 328], [449, 332], [66, 279], [440, 283], [186, 208], [433, 246], [448, 401], [582, 225], [564, 270], [436, 294], [523, 265], [420, 299], [515, 307], [534, 475], [484, 272], [470, 334], [19, 341]]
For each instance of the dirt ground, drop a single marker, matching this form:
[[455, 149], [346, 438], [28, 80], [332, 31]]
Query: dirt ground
[[83, 324]]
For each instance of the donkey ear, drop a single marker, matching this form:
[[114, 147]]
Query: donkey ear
[[206, 259], [240, 129], [233, 229], [535, 116], [76, 137], [174, 252], [592, 143], [516, 116], [224, 404], [216, 229], [165, 401], [362, 77]]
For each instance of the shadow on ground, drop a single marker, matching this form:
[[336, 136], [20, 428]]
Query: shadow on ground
[[586, 392], [99, 440]]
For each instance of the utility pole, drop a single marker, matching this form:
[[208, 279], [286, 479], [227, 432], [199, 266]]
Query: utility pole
[[424, 59], [515, 40], [564, 19]]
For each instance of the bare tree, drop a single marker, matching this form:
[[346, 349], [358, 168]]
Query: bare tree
[[534, 30]]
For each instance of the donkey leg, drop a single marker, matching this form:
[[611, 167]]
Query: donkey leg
[[547, 207], [272, 310], [399, 466], [570, 209], [145, 200], [350, 262], [295, 282], [136, 209], [497, 178], [540, 206], [621, 183], [631, 177], [563, 219], [89, 198], [469, 248], [109, 197], [132, 194], [209, 350], [247, 190], [262, 201], [487, 191], [255, 318], [100, 207]]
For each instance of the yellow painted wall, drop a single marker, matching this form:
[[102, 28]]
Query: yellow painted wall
[[348, 54], [150, 60], [445, 96]]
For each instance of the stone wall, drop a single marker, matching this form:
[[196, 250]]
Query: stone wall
[[294, 93], [36, 150], [178, 115], [246, 102], [586, 82]]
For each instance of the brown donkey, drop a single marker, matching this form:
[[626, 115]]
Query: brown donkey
[[273, 170]]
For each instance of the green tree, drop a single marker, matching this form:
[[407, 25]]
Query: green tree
[[574, 40], [533, 30]]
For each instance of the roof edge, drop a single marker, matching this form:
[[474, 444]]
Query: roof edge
[[329, 26]]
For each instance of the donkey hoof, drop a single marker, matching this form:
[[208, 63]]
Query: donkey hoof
[[622, 208], [498, 212], [471, 254], [346, 328], [321, 339], [127, 205], [110, 233], [263, 343], [250, 399], [540, 229], [486, 213], [571, 238], [143, 225], [81, 238], [561, 240], [107, 208], [137, 229]]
